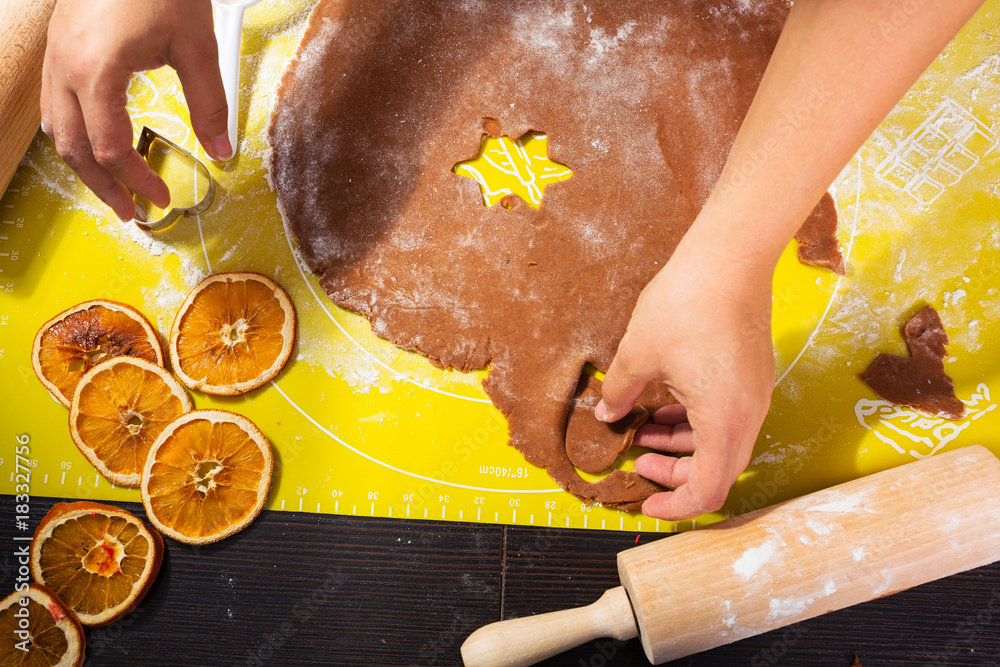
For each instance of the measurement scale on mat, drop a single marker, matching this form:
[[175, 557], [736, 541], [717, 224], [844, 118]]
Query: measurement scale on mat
[[362, 428]]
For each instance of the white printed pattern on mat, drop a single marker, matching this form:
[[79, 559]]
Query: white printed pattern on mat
[[902, 427], [936, 155]]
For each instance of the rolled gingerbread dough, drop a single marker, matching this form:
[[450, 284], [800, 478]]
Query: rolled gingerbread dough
[[918, 380], [592, 445], [818, 238], [640, 99]]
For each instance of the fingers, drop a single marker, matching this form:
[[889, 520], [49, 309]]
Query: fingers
[[73, 145], [109, 130], [700, 485], [673, 414], [677, 439], [46, 98], [668, 471], [624, 381], [196, 60]]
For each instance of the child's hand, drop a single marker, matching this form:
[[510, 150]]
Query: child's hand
[[702, 327], [93, 48]]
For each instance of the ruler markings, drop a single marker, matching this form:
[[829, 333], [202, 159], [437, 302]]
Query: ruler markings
[[97, 478], [550, 518], [79, 481], [300, 503], [621, 523], [496, 516], [460, 513], [638, 526], [354, 509], [407, 511], [443, 508], [390, 510], [425, 512], [371, 512], [567, 522], [602, 524], [514, 517], [585, 517], [46, 479], [479, 513], [531, 519], [62, 480], [336, 506], [282, 504], [317, 508], [657, 525]]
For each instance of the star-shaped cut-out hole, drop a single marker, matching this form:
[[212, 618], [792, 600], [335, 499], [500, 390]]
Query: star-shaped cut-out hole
[[505, 168]]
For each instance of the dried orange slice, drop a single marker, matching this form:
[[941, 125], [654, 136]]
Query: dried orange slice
[[37, 629], [206, 476], [233, 333], [119, 408], [100, 560], [69, 344]]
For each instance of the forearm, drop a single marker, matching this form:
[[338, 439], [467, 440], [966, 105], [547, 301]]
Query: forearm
[[839, 67]]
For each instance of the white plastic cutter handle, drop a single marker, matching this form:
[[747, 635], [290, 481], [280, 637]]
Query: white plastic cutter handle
[[228, 34]]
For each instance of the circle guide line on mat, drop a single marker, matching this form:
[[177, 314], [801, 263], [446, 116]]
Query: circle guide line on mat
[[394, 468], [836, 286]]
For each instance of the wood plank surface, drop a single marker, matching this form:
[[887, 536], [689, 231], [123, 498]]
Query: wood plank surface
[[305, 589]]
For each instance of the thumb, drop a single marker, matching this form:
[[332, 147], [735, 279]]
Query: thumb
[[196, 60], [624, 381]]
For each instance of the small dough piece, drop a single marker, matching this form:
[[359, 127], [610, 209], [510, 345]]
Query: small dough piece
[[818, 237], [918, 380], [594, 445]]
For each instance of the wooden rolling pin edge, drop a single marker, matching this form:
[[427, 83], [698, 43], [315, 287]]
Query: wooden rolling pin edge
[[878, 535]]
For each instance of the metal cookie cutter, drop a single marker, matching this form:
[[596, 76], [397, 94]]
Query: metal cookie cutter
[[148, 138]]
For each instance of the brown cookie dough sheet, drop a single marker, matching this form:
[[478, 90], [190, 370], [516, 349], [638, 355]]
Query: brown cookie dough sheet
[[640, 99]]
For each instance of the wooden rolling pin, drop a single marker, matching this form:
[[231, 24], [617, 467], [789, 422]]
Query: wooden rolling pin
[[779, 565], [23, 24]]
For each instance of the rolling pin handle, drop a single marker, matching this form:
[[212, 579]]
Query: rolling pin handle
[[521, 642]]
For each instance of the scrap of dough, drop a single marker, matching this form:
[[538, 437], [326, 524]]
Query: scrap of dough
[[919, 380], [593, 445], [642, 100], [818, 237]]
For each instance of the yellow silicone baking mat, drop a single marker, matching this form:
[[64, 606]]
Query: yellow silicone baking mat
[[362, 428]]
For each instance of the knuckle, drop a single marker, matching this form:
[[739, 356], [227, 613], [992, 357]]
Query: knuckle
[[711, 500], [110, 157], [215, 115], [73, 153]]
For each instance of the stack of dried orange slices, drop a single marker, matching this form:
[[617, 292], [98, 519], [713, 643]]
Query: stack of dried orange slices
[[204, 474]]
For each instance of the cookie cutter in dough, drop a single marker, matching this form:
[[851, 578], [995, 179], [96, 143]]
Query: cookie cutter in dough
[[147, 139]]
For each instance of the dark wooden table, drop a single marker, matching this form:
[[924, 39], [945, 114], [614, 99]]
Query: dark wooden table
[[306, 589]]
